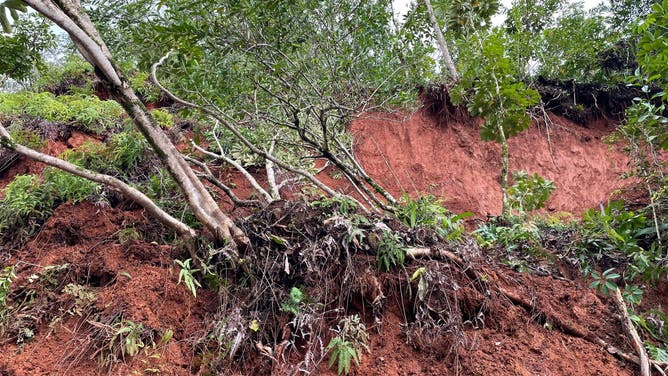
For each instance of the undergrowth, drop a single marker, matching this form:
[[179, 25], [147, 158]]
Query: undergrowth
[[82, 111]]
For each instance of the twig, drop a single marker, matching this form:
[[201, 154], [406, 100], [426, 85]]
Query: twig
[[208, 175], [267, 197]]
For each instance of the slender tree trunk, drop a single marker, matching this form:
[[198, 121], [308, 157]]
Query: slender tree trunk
[[505, 209], [440, 41], [69, 15]]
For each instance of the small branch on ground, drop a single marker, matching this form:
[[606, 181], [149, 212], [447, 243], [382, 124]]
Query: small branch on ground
[[632, 333]]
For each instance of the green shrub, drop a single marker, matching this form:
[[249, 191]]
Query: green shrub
[[68, 187], [521, 236], [74, 76], [144, 89], [390, 251], [347, 345], [427, 212], [90, 155], [529, 192], [127, 149], [615, 230], [84, 111], [27, 138], [47, 107], [26, 196], [25, 205], [163, 118]]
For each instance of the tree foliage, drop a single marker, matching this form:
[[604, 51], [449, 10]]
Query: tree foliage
[[22, 49]]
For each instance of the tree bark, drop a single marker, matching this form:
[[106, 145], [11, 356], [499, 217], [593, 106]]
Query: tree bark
[[440, 41], [70, 17]]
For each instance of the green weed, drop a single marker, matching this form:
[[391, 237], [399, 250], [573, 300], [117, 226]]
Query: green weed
[[186, 275], [347, 345], [427, 212], [390, 251]]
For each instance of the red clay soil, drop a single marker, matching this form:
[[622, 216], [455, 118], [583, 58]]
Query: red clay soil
[[137, 280], [417, 154]]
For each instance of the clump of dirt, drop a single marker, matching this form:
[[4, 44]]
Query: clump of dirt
[[414, 154]]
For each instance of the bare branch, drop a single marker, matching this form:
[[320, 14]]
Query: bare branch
[[208, 175], [240, 137], [267, 197], [109, 181]]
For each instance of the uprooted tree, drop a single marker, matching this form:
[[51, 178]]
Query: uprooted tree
[[71, 18], [300, 96]]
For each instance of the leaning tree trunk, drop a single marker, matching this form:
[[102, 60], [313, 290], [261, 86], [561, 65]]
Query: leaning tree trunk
[[69, 15], [440, 41]]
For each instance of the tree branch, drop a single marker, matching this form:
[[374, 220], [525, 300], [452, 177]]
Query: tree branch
[[109, 181]]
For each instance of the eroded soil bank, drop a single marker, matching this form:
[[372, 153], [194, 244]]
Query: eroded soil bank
[[419, 154], [479, 317]]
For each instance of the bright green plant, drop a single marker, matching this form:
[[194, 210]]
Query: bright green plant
[[71, 75], [141, 85], [68, 187], [84, 111], [343, 353], [656, 353], [604, 282], [633, 294], [529, 192], [127, 149], [522, 236], [427, 212], [617, 230], [292, 305], [25, 196], [163, 118], [390, 251], [346, 347], [127, 335], [27, 138], [614, 228], [186, 275]]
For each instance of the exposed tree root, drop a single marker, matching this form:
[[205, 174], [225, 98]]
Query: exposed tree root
[[576, 331], [566, 327]]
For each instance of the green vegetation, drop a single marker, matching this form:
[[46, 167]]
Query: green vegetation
[[428, 212], [83, 111], [529, 192], [347, 345], [186, 275], [390, 251]]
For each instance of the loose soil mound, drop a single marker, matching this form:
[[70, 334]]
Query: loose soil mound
[[467, 322]]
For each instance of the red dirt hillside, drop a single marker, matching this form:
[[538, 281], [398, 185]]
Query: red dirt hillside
[[419, 153]]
